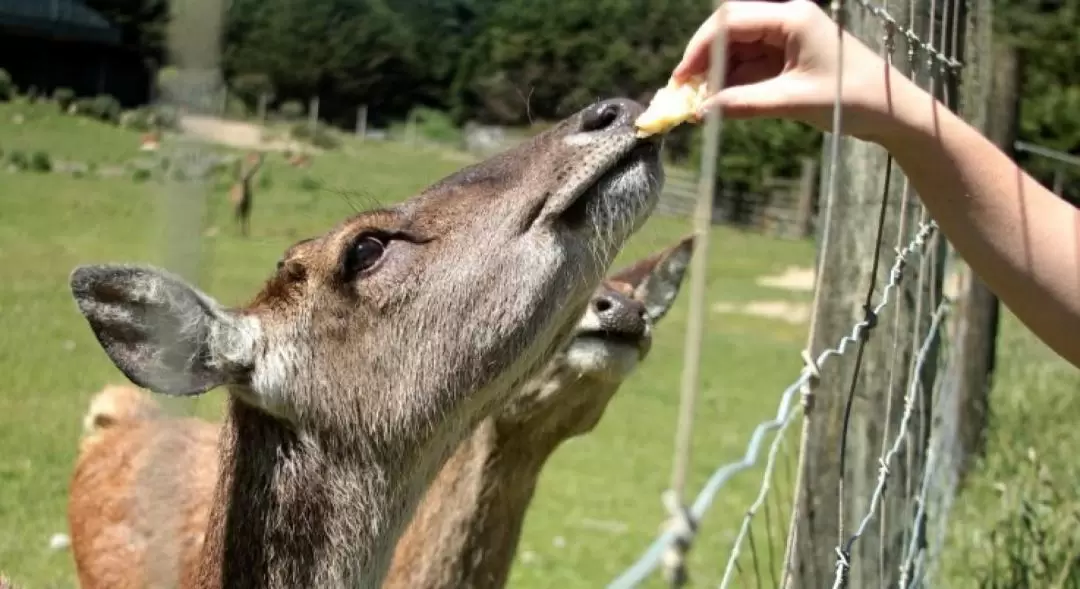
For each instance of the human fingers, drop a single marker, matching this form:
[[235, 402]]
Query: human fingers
[[741, 21], [778, 96]]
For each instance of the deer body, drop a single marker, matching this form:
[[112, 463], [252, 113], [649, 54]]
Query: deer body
[[374, 349], [241, 194]]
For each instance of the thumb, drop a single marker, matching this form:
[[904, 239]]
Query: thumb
[[768, 98]]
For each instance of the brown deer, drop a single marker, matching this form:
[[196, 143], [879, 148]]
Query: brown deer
[[374, 349], [565, 399], [466, 530], [241, 194]]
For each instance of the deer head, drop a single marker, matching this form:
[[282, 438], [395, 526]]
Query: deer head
[[466, 530], [374, 348], [568, 397]]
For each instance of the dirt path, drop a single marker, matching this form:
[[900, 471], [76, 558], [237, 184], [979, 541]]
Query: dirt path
[[237, 134]]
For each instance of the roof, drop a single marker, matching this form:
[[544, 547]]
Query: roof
[[59, 18]]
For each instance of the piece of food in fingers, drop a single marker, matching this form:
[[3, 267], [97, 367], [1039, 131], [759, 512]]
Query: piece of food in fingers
[[672, 105]]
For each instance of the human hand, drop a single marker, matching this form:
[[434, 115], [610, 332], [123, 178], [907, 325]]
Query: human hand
[[782, 62]]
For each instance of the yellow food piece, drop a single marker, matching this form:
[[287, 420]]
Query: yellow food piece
[[672, 105]]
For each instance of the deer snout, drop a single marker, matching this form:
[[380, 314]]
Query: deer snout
[[620, 316], [613, 114]]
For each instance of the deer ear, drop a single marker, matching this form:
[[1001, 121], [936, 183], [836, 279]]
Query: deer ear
[[656, 280], [162, 333]]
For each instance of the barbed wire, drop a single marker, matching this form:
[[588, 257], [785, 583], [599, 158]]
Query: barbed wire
[[650, 559], [843, 552], [912, 37]]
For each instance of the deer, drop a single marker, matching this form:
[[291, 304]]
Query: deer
[[466, 530], [565, 399], [373, 349], [241, 195]]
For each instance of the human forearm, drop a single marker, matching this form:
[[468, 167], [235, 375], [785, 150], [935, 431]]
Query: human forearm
[[1019, 237]]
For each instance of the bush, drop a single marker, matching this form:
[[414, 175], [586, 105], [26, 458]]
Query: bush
[[310, 184], [436, 125], [291, 109], [18, 160], [7, 86], [168, 81], [140, 175], [63, 98], [145, 119], [249, 87], [102, 107], [235, 107], [323, 137], [40, 162], [107, 108]]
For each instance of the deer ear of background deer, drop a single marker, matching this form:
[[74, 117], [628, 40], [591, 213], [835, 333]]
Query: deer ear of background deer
[[656, 280], [162, 333]]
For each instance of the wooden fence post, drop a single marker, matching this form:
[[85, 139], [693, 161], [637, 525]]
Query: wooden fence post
[[807, 184], [361, 122], [825, 517], [313, 116]]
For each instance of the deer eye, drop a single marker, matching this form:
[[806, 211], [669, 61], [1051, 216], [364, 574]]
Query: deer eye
[[363, 254]]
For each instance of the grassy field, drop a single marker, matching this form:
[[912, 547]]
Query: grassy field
[[598, 504]]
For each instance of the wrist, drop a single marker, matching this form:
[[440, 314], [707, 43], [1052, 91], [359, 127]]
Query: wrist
[[904, 114]]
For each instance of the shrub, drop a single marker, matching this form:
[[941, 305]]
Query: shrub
[[7, 86], [236, 107], [137, 119], [310, 184], [18, 160], [323, 137], [40, 162], [63, 97], [107, 108], [291, 109], [168, 81], [102, 107], [436, 125], [249, 87], [145, 119], [140, 175]]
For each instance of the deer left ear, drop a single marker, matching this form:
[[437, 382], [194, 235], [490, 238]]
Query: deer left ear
[[656, 280]]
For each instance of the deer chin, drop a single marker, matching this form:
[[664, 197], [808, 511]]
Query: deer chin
[[606, 355]]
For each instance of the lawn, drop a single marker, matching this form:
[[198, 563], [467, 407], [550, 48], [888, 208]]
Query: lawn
[[598, 504]]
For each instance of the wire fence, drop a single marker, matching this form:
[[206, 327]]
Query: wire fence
[[929, 497]]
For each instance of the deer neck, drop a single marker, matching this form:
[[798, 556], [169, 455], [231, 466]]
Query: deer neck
[[291, 512], [466, 530]]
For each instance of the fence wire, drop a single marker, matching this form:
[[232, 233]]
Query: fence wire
[[937, 481]]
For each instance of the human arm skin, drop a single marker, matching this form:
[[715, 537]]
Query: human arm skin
[[1020, 238]]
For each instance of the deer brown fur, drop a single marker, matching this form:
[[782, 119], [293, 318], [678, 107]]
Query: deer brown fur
[[465, 532], [564, 399], [374, 349], [241, 195]]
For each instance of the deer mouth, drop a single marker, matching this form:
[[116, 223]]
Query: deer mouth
[[637, 341], [632, 171]]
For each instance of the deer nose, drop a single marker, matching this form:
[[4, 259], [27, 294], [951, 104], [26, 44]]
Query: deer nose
[[610, 114], [620, 314]]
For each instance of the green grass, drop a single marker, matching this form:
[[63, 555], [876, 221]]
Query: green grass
[[598, 504]]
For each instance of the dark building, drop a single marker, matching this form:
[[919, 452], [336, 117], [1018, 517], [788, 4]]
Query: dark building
[[49, 44]]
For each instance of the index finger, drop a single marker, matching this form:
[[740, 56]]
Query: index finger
[[741, 21]]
